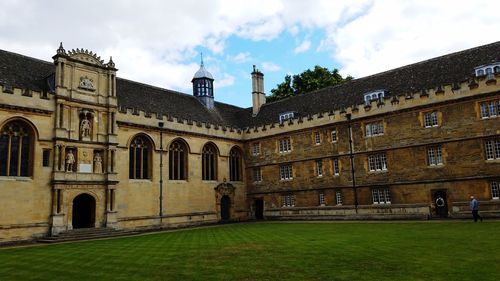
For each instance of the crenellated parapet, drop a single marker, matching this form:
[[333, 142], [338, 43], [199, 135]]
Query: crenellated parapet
[[149, 120], [26, 100], [475, 86]]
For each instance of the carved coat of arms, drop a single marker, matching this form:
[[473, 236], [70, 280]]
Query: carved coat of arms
[[86, 84]]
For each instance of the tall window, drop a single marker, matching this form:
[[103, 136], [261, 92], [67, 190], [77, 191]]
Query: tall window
[[434, 155], [319, 168], [322, 200], [431, 119], [234, 164], [381, 196], [374, 129], [177, 160], [336, 167], [492, 149], [209, 162], [317, 138], [139, 154], [257, 174], [490, 109], [285, 145], [16, 139], [286, 172], [288, 200], [334, 135], [338, 197], [256, 148], [377, 162], [495, 190]]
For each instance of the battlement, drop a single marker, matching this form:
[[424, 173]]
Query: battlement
[[403, 101], [26, 98], [139, 118]]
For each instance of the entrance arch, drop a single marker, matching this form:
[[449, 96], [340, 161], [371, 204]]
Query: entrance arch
[[225, 208], [83, 211]]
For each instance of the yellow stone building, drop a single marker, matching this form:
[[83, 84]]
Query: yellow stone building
[[81, 148]]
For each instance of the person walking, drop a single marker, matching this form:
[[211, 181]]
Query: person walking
[[474, 206]]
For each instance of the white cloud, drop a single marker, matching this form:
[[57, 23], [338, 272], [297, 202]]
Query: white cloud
[[397, 33], [270, 67], [240, 57], [304, 46], [156, 42]]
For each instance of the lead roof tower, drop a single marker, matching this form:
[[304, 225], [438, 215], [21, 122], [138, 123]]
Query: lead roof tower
[[203, 86]]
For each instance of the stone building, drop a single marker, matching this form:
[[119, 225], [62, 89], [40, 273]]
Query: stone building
[[81, 148]]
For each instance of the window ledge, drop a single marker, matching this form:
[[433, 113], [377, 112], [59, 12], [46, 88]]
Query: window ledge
[[10, 178], [283, 180], [435, 166], [378, 172], [140, 180], [177, 181], [492, 160]]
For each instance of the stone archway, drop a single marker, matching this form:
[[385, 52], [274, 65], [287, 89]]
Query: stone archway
[[224, 196], [83, 211]]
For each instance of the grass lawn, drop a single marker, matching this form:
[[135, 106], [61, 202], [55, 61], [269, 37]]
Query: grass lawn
[[273, 251]]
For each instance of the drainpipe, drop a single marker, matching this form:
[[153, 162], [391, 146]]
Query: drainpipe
[[351, 156], [160, 124]]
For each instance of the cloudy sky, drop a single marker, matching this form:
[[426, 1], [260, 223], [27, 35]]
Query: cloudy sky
[[159, 42]]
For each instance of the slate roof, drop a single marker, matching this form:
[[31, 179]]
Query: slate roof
[[136, 95], [444, 70], [25, 72]]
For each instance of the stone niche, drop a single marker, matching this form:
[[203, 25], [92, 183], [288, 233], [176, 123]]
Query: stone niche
[[70, 159], [86, 124], [98, 161]]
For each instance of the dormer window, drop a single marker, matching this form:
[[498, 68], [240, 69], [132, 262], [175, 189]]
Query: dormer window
[[488, 70], [286, 115], [374, 96]]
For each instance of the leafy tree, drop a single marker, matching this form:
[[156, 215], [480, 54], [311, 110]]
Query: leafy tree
[[307, 81]]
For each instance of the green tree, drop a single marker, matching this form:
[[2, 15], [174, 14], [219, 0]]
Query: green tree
[[307, 81]]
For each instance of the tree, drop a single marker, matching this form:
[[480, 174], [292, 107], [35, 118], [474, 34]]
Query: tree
[[307, 81]]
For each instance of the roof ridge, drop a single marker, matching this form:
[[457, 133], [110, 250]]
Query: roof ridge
[[384, 72], [27, 57], [422, 62]]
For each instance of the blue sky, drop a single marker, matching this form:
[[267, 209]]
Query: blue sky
[[159, 42], [275, 58]]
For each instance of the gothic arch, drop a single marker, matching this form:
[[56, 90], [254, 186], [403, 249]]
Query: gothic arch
[[17, 146]]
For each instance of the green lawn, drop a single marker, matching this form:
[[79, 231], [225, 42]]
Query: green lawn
[[273, 251]]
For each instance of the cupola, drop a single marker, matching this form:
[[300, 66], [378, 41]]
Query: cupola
[[203, 86]]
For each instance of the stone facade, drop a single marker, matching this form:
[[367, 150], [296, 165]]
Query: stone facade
[[80, 155]]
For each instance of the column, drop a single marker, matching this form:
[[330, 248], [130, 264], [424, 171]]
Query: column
[[56, 157], [108, 161], [113, 160]]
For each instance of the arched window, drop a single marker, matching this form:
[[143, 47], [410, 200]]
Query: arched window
[[16, 140], [209, 162], [140, 157], [235, 164], [177, 161], [496, 69]]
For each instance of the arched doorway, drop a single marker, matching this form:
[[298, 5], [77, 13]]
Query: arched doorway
[[225, 208], [83, 211]]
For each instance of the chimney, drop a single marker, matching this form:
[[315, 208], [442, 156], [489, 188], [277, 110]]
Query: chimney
[[258, 96]]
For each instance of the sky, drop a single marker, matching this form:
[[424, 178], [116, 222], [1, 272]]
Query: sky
[[160, 42]]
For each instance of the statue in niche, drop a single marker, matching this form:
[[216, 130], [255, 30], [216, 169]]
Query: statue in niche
[[85, 128], [70, 161], [97, 163]]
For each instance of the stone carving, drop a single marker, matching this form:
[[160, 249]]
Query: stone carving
[[70, 161], [86, 84], [85, 128], [97, 163], [225, 188]]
